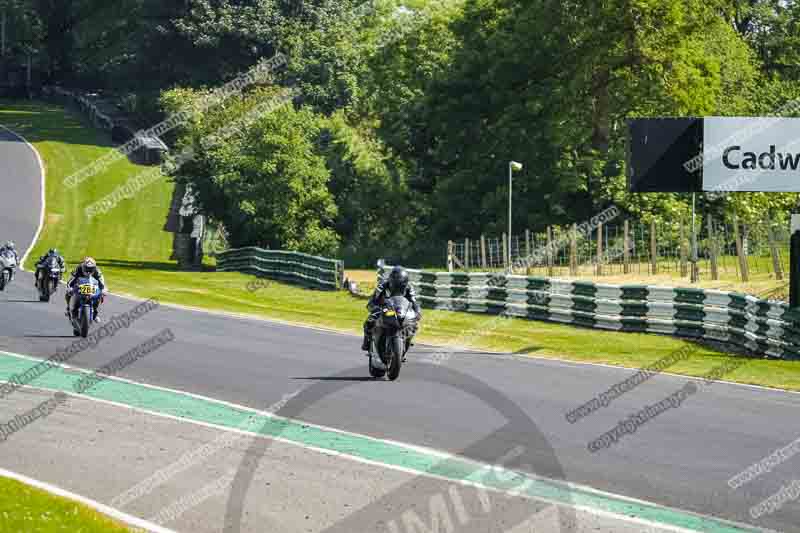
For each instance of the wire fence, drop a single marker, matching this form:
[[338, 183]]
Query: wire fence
[[659, 247]]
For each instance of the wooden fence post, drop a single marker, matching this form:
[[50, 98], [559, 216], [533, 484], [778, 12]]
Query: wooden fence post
[[773, 248], [527, 243], [506, 251], [599, 268], [684, 255], [626, 252], [466, 254], [483, 252], [745, 275], [712, 250], [550, 251], [653, 248], [573, 251], [449, 256]]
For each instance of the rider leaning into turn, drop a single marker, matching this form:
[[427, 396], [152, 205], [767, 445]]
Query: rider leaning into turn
[[40, 264], [87, 268], [395, 284], [11, 248]]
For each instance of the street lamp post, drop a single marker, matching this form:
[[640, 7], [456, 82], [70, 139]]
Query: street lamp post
[[3, 34], [512, 166]]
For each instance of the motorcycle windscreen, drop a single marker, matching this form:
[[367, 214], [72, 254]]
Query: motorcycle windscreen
[[400, 304]]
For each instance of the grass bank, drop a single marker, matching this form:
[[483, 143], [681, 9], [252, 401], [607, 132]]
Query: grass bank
[[134, 251], [28, 509]]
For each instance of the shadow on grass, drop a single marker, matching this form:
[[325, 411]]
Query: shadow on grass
[[148, 265], [40, 121], [527, 350]]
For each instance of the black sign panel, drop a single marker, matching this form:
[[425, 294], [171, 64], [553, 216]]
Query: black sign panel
[[660, 152]]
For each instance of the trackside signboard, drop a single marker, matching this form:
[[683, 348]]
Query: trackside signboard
[[751, 154]]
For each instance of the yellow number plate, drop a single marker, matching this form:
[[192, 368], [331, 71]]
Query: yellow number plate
[[87, 290], [390, 313]]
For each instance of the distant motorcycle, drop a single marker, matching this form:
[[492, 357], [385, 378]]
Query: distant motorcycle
[[49, 278], [8, 262], [391, 338], [84, 295]]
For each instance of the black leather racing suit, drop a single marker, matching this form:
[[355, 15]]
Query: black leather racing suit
[[40, 264], [375, 304]]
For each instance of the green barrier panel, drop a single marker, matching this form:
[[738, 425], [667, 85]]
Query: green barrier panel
[[764, 327]]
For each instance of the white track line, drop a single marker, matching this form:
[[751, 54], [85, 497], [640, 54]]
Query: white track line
[[41, 213], [97, 506], [417, 448]]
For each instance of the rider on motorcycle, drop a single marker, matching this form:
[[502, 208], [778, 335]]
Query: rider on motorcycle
[[87, 268], [40, 264], [9, 246], [395, 284]]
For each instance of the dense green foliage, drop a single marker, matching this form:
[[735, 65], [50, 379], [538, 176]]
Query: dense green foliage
[[407, 112]]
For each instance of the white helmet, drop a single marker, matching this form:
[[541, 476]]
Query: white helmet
[[10, 245], [89, 265]]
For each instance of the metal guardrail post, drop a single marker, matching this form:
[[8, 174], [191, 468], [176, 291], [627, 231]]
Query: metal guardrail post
[[794, 263]]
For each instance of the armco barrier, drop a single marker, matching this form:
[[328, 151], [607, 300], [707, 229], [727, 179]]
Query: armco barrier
[[291, 267], [764, 327]]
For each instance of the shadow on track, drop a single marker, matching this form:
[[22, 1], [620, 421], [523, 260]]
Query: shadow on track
[[47, 336], [339, 378]]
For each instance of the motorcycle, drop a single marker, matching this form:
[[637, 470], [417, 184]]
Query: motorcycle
[[8, 262], [391, 338], [84, 296], [49, 276]]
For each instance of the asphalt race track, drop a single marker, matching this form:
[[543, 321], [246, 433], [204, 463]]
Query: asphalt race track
[[682, 459]]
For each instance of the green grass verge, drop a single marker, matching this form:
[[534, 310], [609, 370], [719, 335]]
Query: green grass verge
[[66, 143], [24, 508], [133, 250]]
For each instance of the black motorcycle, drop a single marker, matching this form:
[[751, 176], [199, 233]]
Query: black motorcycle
[[391, 338], [49, 276]]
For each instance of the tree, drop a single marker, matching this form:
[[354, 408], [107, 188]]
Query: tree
[[264, 181]]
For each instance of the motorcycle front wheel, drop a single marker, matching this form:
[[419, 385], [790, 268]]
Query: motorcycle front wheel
[[44, 293], [396, 346], [85, 320]]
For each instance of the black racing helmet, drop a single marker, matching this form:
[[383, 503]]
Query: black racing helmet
[[398, 279], [52, 251]]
